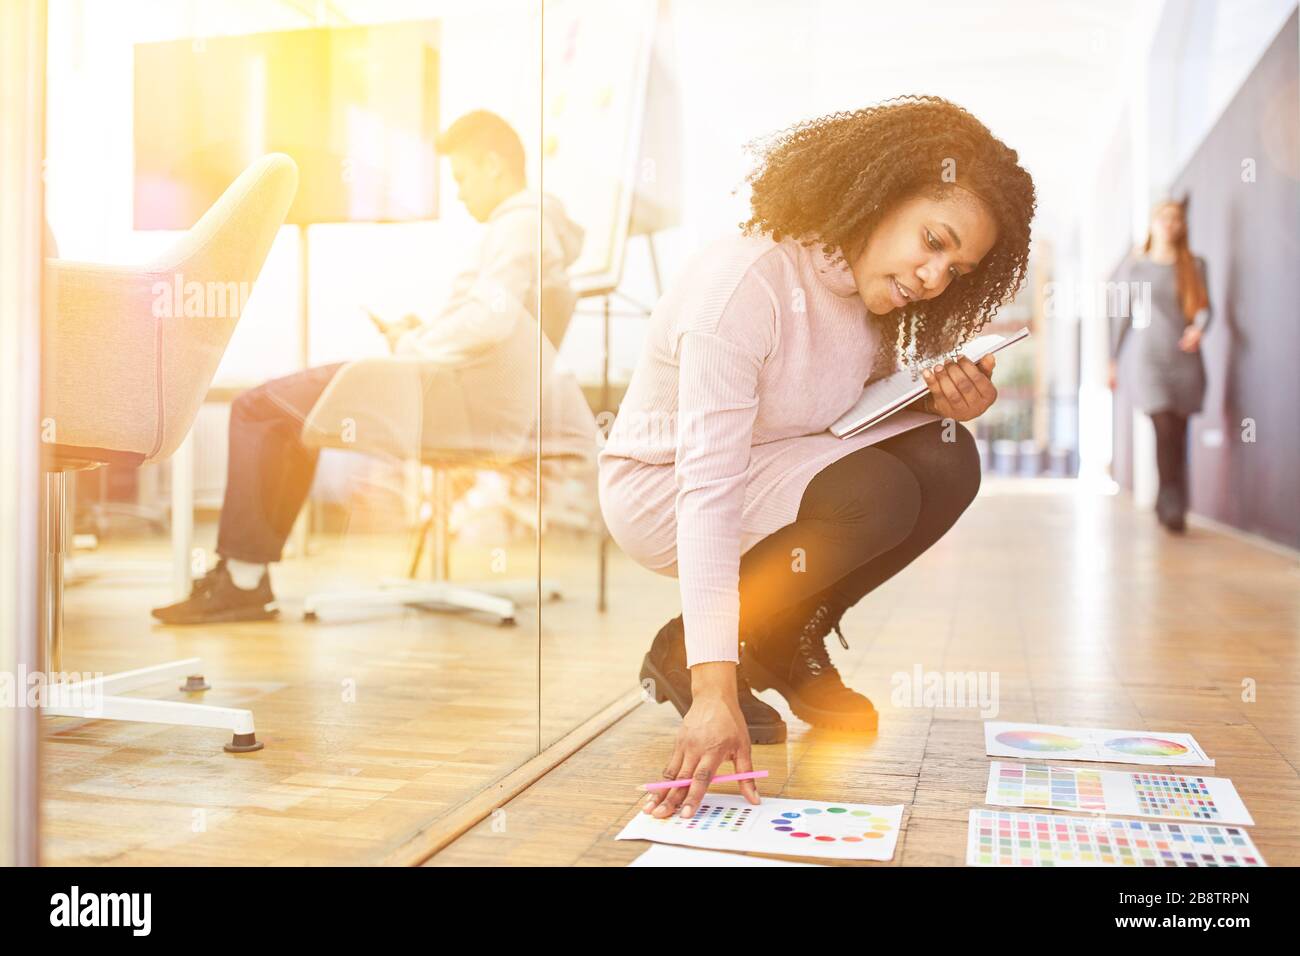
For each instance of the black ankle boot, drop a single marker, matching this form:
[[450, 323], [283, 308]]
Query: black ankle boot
[[793, 661], [665, 675]]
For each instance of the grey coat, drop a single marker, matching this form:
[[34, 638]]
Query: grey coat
[[1165, 377]]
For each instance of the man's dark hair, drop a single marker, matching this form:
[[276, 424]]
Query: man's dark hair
[[481, 132]]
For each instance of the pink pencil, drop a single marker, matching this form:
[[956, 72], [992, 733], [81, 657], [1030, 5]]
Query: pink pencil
[[725, 778]]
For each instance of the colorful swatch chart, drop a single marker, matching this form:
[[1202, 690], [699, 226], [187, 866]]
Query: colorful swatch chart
[[1038, 785], [1003, 838], [1174, 796], [1167, 795], [1146, 794], [846, 831], [1082, 743]]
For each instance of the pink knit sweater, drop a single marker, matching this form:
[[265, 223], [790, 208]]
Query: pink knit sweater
[[754, 352]]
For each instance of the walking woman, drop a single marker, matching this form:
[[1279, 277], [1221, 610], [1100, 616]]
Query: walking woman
[[879, 238], [1169, 379]]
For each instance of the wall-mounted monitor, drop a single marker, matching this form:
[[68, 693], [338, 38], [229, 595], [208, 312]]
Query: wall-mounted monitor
[[356, 108]]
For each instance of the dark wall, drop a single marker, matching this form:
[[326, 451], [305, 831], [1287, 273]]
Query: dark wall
[[1249, 234]]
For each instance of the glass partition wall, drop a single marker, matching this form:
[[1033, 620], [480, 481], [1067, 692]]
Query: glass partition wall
[[342, 304], [291, 376], [611, 117], [607, 124], [22, 53]]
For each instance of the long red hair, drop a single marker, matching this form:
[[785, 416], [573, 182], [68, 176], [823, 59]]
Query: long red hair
[[1191, 289]]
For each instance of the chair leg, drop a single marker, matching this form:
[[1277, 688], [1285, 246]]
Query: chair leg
[[519, 590], [191, 668], [603, 572], [435, 595], [95, 698], [497, 598], [418, 551], [83, 699], [441, 524], [54, 545]]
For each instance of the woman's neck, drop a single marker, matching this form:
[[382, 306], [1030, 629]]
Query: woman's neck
[[1164, 255]]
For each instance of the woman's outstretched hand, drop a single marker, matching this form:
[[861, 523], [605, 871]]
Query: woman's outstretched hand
[[961, 390], [713, 733], [1191, 339]]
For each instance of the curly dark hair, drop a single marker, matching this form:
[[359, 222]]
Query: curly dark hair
[[830, 180]]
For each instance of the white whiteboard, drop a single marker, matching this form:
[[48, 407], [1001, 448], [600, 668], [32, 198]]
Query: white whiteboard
[[596, 63]]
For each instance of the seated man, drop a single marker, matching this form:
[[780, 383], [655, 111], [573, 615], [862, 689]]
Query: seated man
[[270, 469]]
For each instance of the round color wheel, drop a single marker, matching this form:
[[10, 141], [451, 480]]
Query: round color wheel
[[1037, 740], [1147, 746]]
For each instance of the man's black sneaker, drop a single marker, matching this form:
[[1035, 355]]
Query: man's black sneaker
[[793, 661], [214, 599], [664, 674]]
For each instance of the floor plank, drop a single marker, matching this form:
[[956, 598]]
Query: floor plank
[[1087, 613], [375, 724]]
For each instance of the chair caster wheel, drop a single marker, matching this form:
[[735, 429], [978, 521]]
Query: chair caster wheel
[[195, 683], [243, 744], [309, 616], [508, 622]]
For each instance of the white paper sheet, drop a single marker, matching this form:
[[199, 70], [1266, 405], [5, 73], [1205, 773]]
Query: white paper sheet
[[1004, 838], [1165, 796], [1049, 742], [660, 855], [842, 831]]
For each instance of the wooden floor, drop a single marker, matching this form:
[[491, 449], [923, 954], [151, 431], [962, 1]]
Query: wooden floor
[[375, 725], [1088, 613]]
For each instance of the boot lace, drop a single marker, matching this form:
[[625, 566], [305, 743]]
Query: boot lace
[[812, 643], [205, 584]]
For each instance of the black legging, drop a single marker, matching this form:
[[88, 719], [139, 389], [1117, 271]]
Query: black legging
[[861, 520], [1171, 460]]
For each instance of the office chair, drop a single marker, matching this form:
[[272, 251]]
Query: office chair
[[123, 375], [482, 415]]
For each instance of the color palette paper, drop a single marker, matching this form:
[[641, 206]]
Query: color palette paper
[[845, 831], [1038, 785], [1081, 743], [1205, 799], [1003, 838], [1145, 794]]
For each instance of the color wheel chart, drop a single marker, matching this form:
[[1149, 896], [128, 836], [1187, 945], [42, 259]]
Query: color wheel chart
[[1002, 838], [1167, 796], [848, 831], [1039, 741], [1084, 743], [833, 823]]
